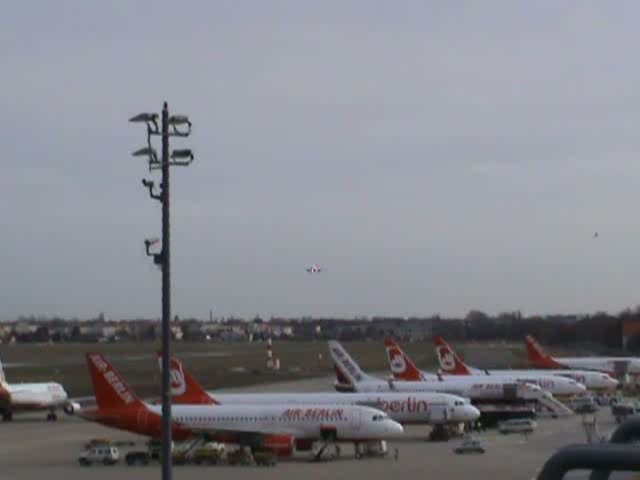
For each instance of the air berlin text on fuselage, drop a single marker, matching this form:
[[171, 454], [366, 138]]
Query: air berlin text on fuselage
[[313, 413]]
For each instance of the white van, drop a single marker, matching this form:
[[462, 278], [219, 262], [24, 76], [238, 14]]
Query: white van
[[105, 454], [517, 425]]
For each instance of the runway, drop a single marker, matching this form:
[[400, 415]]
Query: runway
[[35, 449]]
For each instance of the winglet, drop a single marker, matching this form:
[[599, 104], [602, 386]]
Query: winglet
[[449, 361], [110, 388], [184, 388], [401, 365], [537, 356]]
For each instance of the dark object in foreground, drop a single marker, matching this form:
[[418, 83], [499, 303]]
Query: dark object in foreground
[[137, 458], [591, 457]]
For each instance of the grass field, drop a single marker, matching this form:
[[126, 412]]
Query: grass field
[[216, 365]]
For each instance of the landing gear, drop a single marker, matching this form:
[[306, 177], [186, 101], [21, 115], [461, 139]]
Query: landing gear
[[376, 448], [328, 438], [439, 433], [7, 416], [52, 417]]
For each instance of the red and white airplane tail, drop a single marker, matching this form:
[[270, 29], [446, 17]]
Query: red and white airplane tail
[[538, 357], [184, 388], [111, 391], [118, 405], [402, 366], [449, 361]]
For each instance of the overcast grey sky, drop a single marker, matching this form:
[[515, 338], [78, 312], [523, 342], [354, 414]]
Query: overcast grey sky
[[433, 156]]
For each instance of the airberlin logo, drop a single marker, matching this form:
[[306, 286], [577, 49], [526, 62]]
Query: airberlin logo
[[396, 360], [445, 357], [178, 383], [410, 405]]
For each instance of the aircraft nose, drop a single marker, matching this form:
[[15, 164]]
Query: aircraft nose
[[394, 429], [471, 413]]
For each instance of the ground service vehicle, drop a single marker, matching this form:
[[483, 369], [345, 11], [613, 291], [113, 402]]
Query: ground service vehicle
[[621, 411], [240, 456], [264, 458], [137, 458], [519, 425], [470, 445], [210, 453], [584, 404], [105, 455], [379, 449]]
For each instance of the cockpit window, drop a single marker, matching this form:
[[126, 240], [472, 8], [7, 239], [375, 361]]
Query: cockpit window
[[377, 418]]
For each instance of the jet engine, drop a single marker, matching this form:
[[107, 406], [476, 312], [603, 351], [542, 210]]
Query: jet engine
[[71, 408]]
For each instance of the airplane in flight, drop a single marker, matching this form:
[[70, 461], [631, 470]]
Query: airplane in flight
[[617, 367], [430, 408], [28, 397], [452, 364], [280, 428], [314, 269]]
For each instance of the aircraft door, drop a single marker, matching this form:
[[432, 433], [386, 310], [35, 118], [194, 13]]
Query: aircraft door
[[510, 391], [357, 420], [438, 414], [621, 368]]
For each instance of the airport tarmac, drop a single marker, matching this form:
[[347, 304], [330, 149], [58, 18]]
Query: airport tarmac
[[32, 448]]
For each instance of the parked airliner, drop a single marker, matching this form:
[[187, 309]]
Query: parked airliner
[[276, 427], [614, 366], [403, 368], [452, 364], [483, 390], [27, 397], [430, 408]]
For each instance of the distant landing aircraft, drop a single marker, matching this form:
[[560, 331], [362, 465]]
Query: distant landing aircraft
[[314, 269]]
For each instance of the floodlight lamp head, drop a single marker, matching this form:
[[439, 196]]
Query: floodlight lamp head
[[182, 154], [151, 241], [146, 152], [144, 118], [176, 120]]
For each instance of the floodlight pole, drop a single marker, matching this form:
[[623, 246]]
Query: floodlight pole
[[182, 158], [166, 301]]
